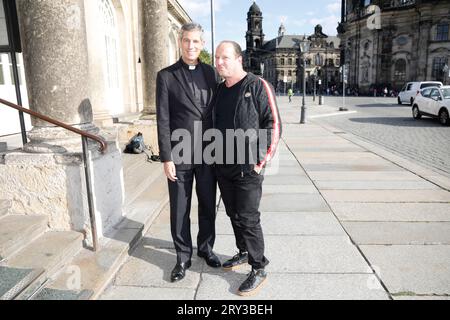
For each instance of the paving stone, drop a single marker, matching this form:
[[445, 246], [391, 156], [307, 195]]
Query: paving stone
[[363, 175], [151, 267], [284, 189], [287, 180], [293, 203], [352, 211], [360, 166], [294, 287], [413, 297], [409, 233], [386, 196], [291, 223], [376, 185], [417, 270], [303, 254], [139, 293]]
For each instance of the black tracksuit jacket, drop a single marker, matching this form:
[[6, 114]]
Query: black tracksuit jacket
[[256, 109]]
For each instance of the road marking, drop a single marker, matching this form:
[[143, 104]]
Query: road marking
[[332, 114]]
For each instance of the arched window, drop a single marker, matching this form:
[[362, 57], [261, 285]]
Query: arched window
[[400, 70], [111, 43]]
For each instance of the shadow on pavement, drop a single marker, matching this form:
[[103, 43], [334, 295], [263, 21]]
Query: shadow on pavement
[[149, 250]]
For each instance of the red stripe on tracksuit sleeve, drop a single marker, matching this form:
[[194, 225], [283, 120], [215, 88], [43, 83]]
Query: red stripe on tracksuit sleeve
[[276, 125]]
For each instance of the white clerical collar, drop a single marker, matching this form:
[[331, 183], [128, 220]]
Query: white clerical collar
[[192, 68]]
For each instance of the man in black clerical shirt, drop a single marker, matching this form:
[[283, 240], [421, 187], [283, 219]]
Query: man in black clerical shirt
[[184, 93]]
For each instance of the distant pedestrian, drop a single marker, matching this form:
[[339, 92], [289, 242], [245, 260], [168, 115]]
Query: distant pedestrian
[[385, 91], [290, 94]]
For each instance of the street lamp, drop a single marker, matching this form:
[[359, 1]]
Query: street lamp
[[304, 48], [446, 73], [213, 31]]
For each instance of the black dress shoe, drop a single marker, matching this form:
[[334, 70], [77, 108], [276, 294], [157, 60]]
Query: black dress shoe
[[211, 260], [253, 283], [179, 272], [236, 262]]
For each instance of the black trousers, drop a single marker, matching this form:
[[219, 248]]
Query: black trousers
[[180, 208], [241, 195]]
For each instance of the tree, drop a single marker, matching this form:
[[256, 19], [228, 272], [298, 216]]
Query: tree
[[205, 57]]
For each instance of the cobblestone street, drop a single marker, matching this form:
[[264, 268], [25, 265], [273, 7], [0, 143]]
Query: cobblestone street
[[382, 121]]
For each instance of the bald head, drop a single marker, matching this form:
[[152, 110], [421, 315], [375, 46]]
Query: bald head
[[229, 59]]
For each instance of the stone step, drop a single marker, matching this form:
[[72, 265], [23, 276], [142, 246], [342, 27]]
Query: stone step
[[138, 175], [28, 270], [97, 269], [5, 205], [17, 231]]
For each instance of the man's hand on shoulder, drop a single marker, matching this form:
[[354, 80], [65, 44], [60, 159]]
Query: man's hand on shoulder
[[170, 171]]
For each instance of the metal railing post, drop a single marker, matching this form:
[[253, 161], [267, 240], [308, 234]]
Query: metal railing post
[[87, 171]]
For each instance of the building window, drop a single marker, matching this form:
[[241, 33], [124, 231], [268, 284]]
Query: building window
[[290, 73], [438, 66], [282, 73], [111, 43], [282, 61], [400, 70], [290, 61], [442, 32]]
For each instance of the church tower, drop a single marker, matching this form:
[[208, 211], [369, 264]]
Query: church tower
[[281, 30], [254, 37]]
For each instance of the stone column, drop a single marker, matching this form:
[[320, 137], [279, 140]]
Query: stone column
[[56, 63], [95, 42], [155, 44], [48, 178]]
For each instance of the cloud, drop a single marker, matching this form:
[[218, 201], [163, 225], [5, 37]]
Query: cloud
[[201, 9], [329, 24], [334, 7], [299, 23]]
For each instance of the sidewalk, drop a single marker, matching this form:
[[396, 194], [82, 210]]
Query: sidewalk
[[340, 222]]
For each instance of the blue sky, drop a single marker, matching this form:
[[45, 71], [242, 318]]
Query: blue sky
[[299, 16]]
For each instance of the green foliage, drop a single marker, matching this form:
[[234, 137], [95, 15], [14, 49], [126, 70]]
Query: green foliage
[[205, 57]]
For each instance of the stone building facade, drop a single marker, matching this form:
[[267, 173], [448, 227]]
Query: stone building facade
[[281, 61], [117, 33], [83, 62], [387, 43]]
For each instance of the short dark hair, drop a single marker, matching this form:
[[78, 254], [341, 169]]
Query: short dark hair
[[192, 26], [237, 48]]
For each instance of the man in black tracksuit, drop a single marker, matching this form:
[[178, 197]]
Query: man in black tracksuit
[[244, 101]]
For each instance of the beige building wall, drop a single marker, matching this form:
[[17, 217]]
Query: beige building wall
[[127, 98]]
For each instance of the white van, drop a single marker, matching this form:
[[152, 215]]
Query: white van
[[411, 89]]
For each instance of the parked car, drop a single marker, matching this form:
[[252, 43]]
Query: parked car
[[411, 89], [433, 102]]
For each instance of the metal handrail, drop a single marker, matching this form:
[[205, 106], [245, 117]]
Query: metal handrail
[[82, 133], [84, 136]]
